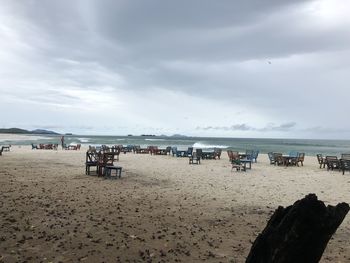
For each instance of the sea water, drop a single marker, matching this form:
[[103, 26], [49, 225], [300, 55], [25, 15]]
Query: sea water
[[310, 147]]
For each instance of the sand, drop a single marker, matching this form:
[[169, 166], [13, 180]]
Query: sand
[[161, 210]]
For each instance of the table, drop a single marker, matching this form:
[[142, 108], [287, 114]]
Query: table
[[242, 155], [208, 154], [160, 151], [180, 153], [287, 160]]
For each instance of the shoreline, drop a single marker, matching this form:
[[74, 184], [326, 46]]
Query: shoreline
[[263, 145]]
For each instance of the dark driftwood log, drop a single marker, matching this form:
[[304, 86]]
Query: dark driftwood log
[[298, 233]]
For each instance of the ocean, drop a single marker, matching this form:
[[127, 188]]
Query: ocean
[[310, 147]]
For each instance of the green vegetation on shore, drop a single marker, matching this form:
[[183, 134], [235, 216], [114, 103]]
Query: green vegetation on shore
[[23, 131]]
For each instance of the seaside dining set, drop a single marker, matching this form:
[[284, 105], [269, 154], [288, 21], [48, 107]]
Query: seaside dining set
[[291, 159], [242, 161], [42, 146], [153, 150], [335, 163], [194, 156], [103, 159], [74, 147]]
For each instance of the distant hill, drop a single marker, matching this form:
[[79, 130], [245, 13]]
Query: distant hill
[[22, 131], [41, 131]]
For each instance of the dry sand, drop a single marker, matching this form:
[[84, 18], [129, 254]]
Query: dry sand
[[161, 210]]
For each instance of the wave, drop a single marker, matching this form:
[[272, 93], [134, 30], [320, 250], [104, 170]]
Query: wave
[[84, 140], [154, 139], [203, 145], [120, 139]]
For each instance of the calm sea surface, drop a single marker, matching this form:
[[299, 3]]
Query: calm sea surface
[[310, 147]]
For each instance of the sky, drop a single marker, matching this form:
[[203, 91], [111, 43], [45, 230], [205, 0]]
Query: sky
[[263, 69]]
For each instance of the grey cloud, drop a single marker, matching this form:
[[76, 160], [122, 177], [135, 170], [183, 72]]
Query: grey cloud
[[235, 127], [282, 127], [244, 127], [275, 59]]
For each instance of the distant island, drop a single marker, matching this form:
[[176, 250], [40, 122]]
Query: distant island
[[23, 131], [178, 135]]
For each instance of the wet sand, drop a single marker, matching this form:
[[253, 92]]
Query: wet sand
[[161, 210]]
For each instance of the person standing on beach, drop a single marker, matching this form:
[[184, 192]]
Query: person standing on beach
[[62, 141]]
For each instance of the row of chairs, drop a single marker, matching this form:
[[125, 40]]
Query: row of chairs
[[251, 155], [293, 158], [42, 146], [197, 155], [240, 161], [72, 146], [333, 163]]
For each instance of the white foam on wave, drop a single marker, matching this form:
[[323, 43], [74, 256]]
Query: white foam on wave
[[203, 145], [154, 139], [84, 140], [120, 139]]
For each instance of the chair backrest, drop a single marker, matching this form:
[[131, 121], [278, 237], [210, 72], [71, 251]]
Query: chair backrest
[[190, 150], [229, 154], [199, 152], [235, 155], [217, 152], [91, 156], [271, 156], [301, 157], [255, 154], [249, 152], [331, 158], [168, 149], [278, 157], [319, 158], [345, 164], [108, 158], [174, 150], [345, 156]]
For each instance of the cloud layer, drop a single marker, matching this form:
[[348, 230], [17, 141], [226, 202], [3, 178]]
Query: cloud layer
[[206, 68]]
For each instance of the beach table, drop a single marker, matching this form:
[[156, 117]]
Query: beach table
[[242, 155], [160, 151], [287, 160], [208, 154], [181, 153]]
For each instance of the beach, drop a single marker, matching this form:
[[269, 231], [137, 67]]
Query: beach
[[161, 210]]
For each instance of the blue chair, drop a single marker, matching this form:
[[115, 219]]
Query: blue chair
[[255, 155], [174, 151], [272, 157], [189, 151], [249, 154]]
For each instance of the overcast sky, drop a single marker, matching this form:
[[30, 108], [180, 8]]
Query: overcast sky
[[258, 68]]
